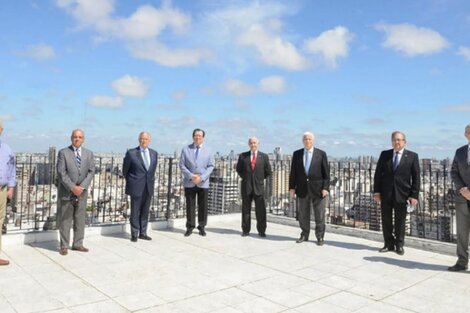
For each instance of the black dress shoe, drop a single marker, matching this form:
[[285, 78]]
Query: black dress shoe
[[262, 235], [188, 233], [202, 232], [145, 237], [457, 268], [400, 251], [134, 239], [385, 249], [245, 234], [320, 242], [301, 239]]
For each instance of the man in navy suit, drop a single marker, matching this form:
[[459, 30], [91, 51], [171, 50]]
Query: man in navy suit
[[310, 180], [396, 183], [253, 167], [196, 164], [460, 174], [139, 169]]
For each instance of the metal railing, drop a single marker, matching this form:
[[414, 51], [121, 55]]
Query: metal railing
[[350, 202]]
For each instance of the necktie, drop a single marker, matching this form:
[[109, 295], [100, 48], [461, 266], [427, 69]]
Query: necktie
[[308, 159], [253, 161], [197, 152], [78, 158], [146, 159], [395, 161]]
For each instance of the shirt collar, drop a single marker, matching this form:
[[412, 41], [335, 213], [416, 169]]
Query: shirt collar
[[399, 151], [142, 149], [309, 150]]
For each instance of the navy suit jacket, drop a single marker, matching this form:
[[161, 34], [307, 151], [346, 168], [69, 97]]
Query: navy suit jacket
[[400, 184], [318, 177], [138, 178], [253, 181]]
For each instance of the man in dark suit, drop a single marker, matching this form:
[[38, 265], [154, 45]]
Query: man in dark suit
[[310, 180], [253, 168], [75, 170], [139, 169], [396, 184], [460, 174]]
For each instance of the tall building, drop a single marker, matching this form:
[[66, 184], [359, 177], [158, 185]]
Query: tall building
[[223, 194]]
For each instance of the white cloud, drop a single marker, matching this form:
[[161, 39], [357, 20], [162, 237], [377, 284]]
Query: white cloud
[[39, 52], [272, 49], [462, 108], [139, 32], [272, 84], [130, 86], [331, 44], [179, 95], [465, 52], [238, 88], [5, 117], [412, 40], [106, 102]]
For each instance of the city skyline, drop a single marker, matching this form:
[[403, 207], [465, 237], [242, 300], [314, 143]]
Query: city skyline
[[351, 72]]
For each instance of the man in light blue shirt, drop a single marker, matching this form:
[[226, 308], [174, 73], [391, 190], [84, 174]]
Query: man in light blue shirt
[[7, 182], [196, 164]]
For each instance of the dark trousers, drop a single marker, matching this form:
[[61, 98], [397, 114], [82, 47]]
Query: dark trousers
[[462, 212], [305, 205], [260, 209], [191, 194], [393, 231], [140, 207]]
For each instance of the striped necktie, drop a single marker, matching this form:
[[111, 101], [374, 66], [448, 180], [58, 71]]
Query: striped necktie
[[78, 158]]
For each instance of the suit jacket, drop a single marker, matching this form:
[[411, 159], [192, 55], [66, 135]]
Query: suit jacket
[[318, 177], [401, 184], [137, 176], [460, 171], [70, 175], [253, 181], [204, 165]]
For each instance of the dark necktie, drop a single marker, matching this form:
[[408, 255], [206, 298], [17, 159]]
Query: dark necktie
[[395, 161], [197, 152], [78, 158]]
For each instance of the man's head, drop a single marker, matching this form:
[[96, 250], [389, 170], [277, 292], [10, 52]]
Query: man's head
[[253, 143], [398, 140], [467, 132], [308, 139], [77, 138], [198, 136], [144, 140]]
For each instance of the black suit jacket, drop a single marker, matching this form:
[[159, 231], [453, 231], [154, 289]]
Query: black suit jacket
[[136, 175], [460, 171], [318, 178], [401, 184], [253, 181]]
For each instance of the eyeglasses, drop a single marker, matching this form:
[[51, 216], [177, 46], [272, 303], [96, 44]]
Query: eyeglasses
[[398, 139]]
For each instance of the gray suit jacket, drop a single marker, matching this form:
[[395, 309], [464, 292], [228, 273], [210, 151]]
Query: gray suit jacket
[[203, 165], [69, 175], [460, 171]]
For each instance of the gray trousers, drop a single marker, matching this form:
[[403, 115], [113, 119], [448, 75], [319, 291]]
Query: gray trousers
[[72, 212], [305, 205], [462, 210]]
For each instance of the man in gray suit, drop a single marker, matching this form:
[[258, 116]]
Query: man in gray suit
[[196, 164], [75, 169], [460, 174], [139, 169]]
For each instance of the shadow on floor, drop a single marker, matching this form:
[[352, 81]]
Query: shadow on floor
[[46, 245], [406, 263], [228, 231], [349, 245]]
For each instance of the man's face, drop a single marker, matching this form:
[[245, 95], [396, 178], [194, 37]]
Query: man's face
[[77, 138], [198, 138], [308, 142], [144, 141], [467, 133], [398, 142], [253, 144]]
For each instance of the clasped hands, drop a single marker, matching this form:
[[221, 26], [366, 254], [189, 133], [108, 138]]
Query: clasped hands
[[196, 179], [465, 192]]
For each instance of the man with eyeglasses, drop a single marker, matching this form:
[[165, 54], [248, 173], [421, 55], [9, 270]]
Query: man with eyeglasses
[[460, 174], [396, 184]]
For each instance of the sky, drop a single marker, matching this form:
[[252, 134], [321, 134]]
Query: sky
[[351, 72]]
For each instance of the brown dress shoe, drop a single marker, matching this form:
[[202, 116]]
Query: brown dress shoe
[[63, 251], [80, 249], [4, 262]]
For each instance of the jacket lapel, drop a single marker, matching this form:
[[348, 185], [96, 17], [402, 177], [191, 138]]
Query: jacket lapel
[[139, 156]]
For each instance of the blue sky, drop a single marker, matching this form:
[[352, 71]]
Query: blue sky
[[350, 71]]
